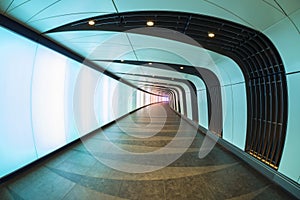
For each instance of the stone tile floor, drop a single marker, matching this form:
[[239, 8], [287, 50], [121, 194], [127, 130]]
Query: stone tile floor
[[77, 173]]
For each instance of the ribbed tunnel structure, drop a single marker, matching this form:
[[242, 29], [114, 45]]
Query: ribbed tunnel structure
[[221, 77], [257, 57]]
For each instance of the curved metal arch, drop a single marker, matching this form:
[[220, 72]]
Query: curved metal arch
[[172, 91], [265, 82], [184, 108], [212, 85]]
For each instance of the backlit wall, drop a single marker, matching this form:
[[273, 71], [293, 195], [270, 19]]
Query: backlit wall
[[48, 100]]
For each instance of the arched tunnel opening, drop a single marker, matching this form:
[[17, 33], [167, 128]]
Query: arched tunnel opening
[[213, 84]]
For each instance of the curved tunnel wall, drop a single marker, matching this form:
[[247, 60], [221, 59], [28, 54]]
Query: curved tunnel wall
[[260, 62], [286, 38], [50, 100], [288, 165]]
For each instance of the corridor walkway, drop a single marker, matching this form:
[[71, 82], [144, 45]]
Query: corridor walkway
[[153, 138]]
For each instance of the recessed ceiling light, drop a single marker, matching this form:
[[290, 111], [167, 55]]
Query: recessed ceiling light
[[122, 60], [92, 23], [150, 23], [150, 63], [211, 34], [181, 67]]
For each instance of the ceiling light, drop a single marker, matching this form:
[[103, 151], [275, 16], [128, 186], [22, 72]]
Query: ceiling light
[[150, 63], [92, 23], [122, 60], [181, 67], [150, 23], [211, 34]]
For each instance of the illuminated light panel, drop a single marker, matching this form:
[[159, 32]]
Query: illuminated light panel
[[211, 35], [48, 88], [91, 22], [17, 141], [150, 23]]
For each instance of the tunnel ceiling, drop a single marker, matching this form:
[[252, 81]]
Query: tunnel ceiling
[[238, 35], [48, 14]]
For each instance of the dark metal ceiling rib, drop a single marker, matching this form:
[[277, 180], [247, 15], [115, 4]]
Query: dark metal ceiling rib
[[257, 57]]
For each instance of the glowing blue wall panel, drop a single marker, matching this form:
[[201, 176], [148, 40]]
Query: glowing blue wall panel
[[234, 103], [113, 99], [71, 74], [48, 100], [134, 100], [290, 162], [234, 114], [16, 143], [84, 109], [227, 106], [202, 108], [239, 125], [188, 104], [122, 101], [101, 104]]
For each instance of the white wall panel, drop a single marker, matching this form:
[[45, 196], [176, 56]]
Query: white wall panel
[[49, 100], [228, 113], [189, 104], [202, 108], [101, 100], [122, 100], [235, 114], [48, 93], [72, 71], [16, 143], [84, 109], [239, 125], [290, 162]]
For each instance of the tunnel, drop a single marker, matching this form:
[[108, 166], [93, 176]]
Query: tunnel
[[149, 99]]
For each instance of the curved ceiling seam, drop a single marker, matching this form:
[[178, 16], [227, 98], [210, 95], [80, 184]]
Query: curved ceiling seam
[[288, 16], [5, 11], [230, 12], [42, 10], [9, 10]]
